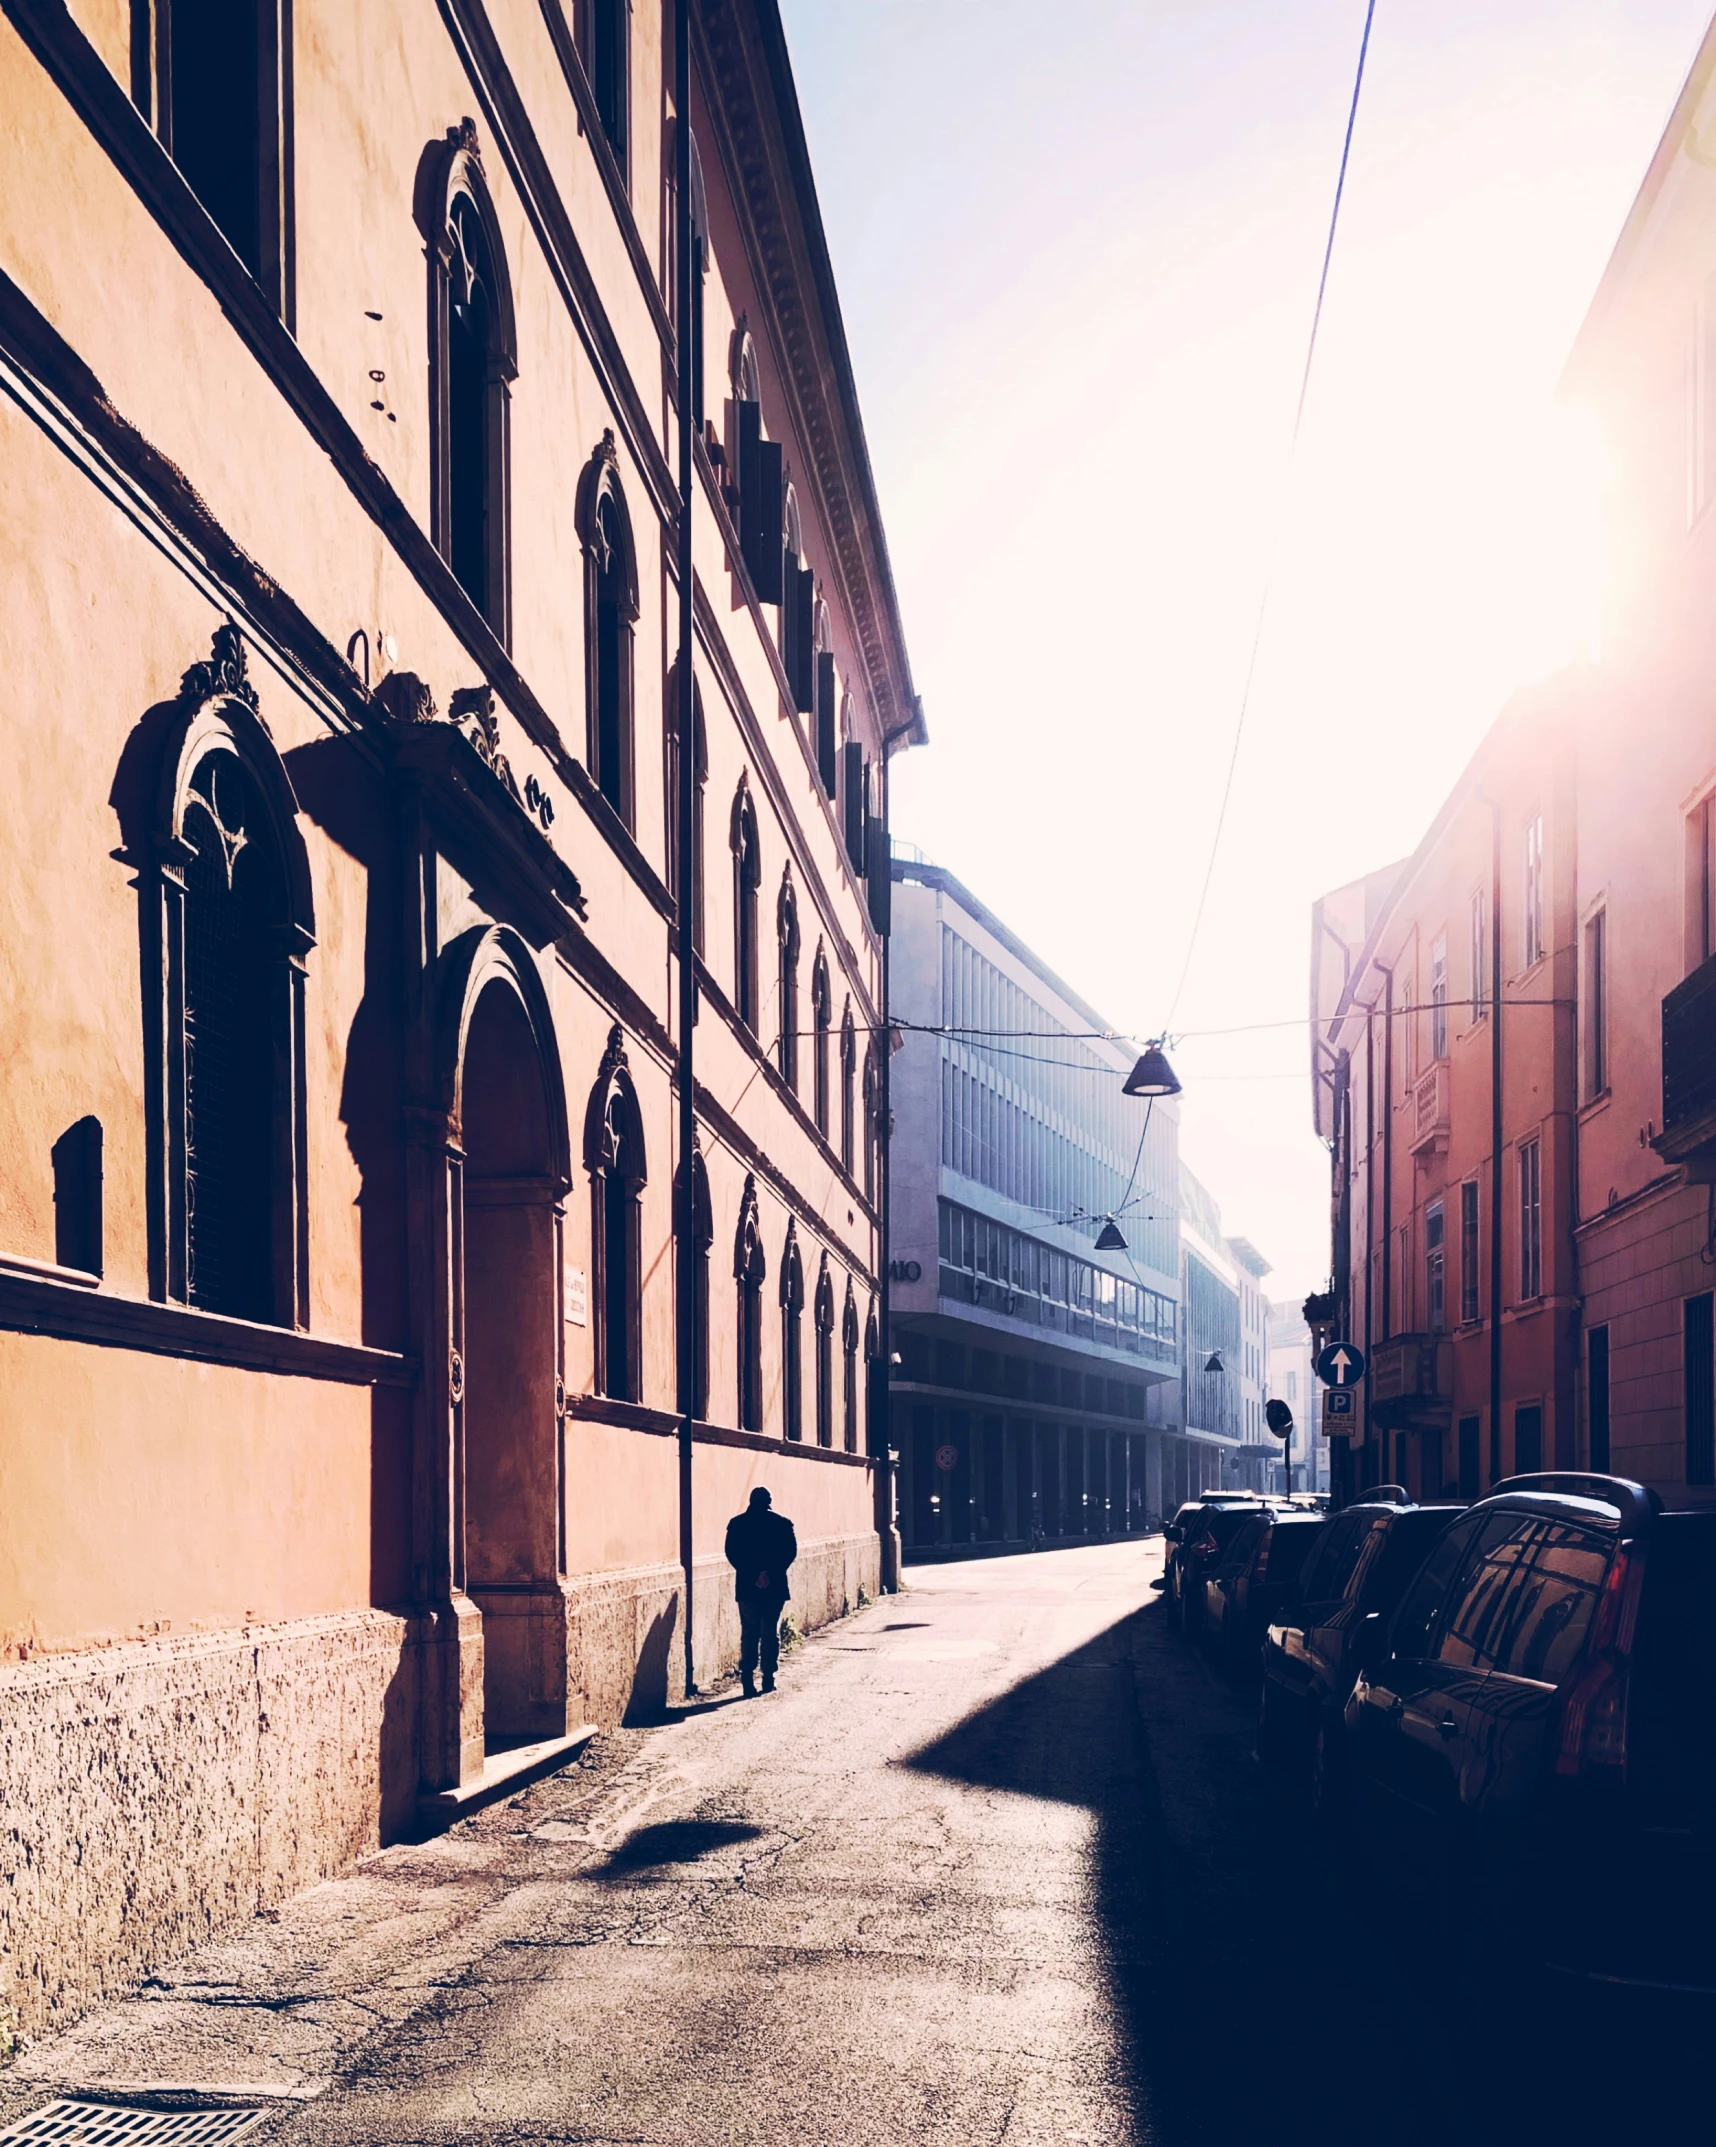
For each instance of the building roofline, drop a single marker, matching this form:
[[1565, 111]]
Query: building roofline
[[945, 882], [1668, 149], [1248, 1256]]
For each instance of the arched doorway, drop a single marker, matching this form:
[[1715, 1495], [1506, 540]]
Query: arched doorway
[[512, 1130]]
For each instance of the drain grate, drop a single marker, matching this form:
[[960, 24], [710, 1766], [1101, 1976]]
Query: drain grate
[[103, 2124]]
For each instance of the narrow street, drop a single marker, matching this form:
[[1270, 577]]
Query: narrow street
[[994, 1865]]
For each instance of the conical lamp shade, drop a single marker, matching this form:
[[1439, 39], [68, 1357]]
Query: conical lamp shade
[[1152, 1076], [1108, 1238], [1215, 1364]]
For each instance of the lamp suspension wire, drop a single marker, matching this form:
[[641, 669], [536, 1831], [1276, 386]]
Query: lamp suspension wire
[[684, 812], [1280, 518]]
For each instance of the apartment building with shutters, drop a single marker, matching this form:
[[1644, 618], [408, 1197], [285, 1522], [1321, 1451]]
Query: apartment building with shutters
[[340, 1183]]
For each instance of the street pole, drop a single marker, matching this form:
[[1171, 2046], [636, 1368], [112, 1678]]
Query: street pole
[[684, 813]]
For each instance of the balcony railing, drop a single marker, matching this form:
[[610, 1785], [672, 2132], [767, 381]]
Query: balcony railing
[[1430, 1110], [1689, 1067], [1411, 1380]]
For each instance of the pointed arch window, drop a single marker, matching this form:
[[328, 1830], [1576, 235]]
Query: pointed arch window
[[228, 926], [849, 1385], [786, 926], [872, 1352], [473, 361], [614, 1158], [759, 470], [792, 1337], [702, 1224], [848, 1084], [610, 614], [700, 772], [747, 879], [821, 1012], [750, 1271], [797, 602], [214, 79], [824, 1356]]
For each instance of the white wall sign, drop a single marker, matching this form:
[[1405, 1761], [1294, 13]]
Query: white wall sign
[[577, 1295]]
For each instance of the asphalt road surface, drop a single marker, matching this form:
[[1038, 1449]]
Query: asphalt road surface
[[994, 1865]]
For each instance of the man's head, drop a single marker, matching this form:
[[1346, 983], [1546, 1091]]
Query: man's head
[[760, 1500]]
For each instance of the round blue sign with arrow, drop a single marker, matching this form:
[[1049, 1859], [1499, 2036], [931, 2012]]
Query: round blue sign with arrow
[[1341, 1365]]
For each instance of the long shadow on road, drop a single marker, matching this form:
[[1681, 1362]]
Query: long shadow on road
[[1251, 2003]]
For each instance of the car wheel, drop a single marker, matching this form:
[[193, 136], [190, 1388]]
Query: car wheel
[[1327, 1771]]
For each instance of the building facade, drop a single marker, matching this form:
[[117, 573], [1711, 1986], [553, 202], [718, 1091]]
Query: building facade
[[1515, 1029], [1293, 1380], [338, 1175], [1034, 1397]]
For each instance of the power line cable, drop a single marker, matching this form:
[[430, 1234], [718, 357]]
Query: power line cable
[[1275, 541]]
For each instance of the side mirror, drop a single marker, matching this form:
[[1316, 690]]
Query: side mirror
[[1370, 1646], [1172, 1532]]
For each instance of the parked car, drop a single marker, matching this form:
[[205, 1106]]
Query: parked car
[[1253, 1579], [1533, 1734], [1205, 1528], [1359, 1569]]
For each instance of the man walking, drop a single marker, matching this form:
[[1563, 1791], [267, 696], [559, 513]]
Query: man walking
[[760, 1548]]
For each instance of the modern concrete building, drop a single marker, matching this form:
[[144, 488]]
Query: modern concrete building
[[337, 1119], [1258, 1448], [1211, 1357], [1036, 1394]]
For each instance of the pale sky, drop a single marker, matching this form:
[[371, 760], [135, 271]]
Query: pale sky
[[1077, 250]]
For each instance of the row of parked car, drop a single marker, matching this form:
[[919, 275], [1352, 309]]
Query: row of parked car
[[1511, 1705]]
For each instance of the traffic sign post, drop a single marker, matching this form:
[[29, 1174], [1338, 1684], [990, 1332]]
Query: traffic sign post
[[1339, 1405], [1341, 1365]]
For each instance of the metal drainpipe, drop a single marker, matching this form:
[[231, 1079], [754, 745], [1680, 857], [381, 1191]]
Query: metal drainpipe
[[881, 1424], [1495, 1306], [684, 807]]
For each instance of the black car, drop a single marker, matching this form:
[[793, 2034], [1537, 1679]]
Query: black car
[[1254, 1578], [1200, 1532], [1533, 1735], [1358, 1570]]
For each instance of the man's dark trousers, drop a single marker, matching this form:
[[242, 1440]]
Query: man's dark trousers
[[759, 1627]]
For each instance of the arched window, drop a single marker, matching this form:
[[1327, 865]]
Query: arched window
[[849, 1388], [473, 360], [607, 55], [848, 1080], [824, 1356], [750, 1270], [747, 377], [821, 1012], [747, 878], [214, 77], [702, 1223], [610, 613], [614, 1157], [792, 561], [693, 340], [228, 925], [872, 1119], [700, 771], [759, 476], [786, 926], [792, 1333]]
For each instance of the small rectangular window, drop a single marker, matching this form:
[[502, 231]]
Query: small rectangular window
[[1597, 1392], [1439, 998], [1469, 1250], [1595, 1009], [1531, 1218], [1532, 914], [1700, 1391], [1527, 1440], [1434, 1259]]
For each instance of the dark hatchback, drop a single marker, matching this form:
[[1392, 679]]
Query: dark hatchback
[[1254, 1579], [1206, 1530], [1534, 1737], [1355, 1576], [1186, 1529]]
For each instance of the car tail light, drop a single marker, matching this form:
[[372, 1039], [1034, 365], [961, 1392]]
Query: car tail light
[[1205, 1546], [1594, 1715]]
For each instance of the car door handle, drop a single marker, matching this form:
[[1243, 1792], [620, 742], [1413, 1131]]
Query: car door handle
[[1447, 1727], [1396, 1708]]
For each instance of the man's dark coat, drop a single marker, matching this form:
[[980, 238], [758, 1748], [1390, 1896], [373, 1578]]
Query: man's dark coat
[[760, 1548]]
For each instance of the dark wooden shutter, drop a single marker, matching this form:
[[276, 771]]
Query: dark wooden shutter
[[878, 865], [764, 554], [827, 761], [748, 426], [802, 677], [852, 780]]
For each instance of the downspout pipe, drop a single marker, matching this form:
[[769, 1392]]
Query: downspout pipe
[[1495, 1305], [684, 812]]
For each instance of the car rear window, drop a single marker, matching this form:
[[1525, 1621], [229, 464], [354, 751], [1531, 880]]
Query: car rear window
[[1339, 1548], [1415, 1620], [1482, 1600], [1552, 1605], [1290, 1545], [1406, 1541], [1225, 1522], [1671, 1732], [1242, 1541]]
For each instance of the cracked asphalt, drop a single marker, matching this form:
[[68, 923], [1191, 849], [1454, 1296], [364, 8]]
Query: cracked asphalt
[[994, 1865]]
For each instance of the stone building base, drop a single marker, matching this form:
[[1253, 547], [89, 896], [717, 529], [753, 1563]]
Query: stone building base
[[154, 1791]]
